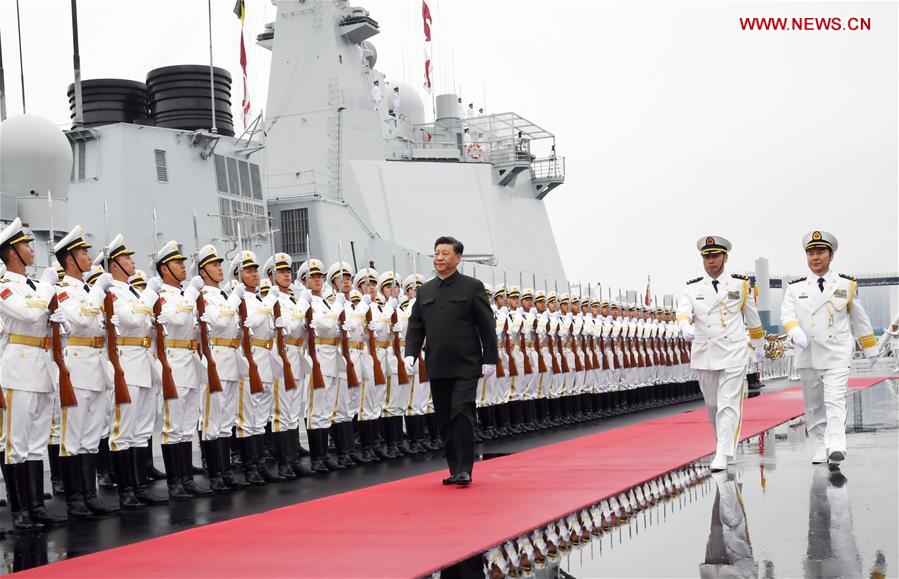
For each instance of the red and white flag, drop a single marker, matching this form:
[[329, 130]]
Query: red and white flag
[[426, 20], [646, 298], [240, 10]]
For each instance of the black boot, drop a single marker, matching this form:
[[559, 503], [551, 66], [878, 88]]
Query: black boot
[[57, 479], [214, 466], [249, 460], [434, 435], [267, 450], [105, 470], [121, 465], [71, 475], [367, 441], [355, 454], [173, 473], [399, 434], [143, 488], [87, 466], [16, 477], [223, 445], [318, 449], [341, 446], [293, 452], [153, 473], [300, 450], [383, 448], [502, 419], [281, 456], [416, 427], [36, 508], [187, 472], [268, 474]]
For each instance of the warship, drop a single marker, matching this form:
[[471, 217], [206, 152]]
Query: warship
[[324, 169]]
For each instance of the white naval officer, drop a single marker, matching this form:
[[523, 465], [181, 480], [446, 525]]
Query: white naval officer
[[718, 313], [822, 317]]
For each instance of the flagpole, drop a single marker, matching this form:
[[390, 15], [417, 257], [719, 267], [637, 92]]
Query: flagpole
[[211, 68]]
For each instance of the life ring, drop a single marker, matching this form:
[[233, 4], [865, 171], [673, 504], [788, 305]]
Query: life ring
[[474, 151]]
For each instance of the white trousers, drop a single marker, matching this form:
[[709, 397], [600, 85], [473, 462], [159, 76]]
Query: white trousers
[[56, 421], [132, 424], [824, 393], [347, 401], [321, 403], [287, 407], [82, 425], [723, 392], [398, 396], [252, 409], [26, 424], [179, 416], [212, 412], [420, 396]]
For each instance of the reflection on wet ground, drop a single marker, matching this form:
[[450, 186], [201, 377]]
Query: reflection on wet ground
[[773, 514]]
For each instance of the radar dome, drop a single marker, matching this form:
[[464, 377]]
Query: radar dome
[[35, 155], [411, 103]]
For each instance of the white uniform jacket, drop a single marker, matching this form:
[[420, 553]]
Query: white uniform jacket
[[25, 317]]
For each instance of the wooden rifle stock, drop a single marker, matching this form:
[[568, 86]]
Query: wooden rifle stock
[[290, 382], [352, 380], [247, 348], [528, 369], [552, 349], [66, 389], [597, 365], [401, 374], [507, 346], [212, 374], [169, 390], [562, 358], [378, 372], [112, 349], [575, 342], [541, 363], [318, 379], [423, 371]]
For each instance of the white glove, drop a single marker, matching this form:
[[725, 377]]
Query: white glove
[[798, 337], [298, 286], [366, 299], [49, 276], [541, 331], [307, 295], [391, 304], [873, 360], [313, 325], [758, 355], [493, 307], [114, 320], [499, 333], [687, 331], [248, 323], [519, 310], [274, 292], [589, 315], [281, 322], [162, 319], [339, 299], [488, 370], [409, 362], [104, 282], [240, 290], [347, 327], [377, 327], [556, 315], [504, 310], [197, 282], [57, 317], [533, 311], [206, 318], [154, 283], [569, 316]]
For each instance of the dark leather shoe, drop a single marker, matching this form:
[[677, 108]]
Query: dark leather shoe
[[837, 457], [450, 480], [463, 479]]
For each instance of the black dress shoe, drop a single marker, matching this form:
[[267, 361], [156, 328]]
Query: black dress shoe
[[463, 479], [836, 457], [450, 480]]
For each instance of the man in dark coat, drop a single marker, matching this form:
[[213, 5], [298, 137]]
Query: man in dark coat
[[452, 319]]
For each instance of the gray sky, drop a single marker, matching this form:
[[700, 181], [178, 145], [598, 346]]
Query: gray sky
[[675, 123]]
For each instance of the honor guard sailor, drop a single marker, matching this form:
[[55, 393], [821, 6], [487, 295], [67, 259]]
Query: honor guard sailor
[[824, 318], [717, 311], [28, 375]]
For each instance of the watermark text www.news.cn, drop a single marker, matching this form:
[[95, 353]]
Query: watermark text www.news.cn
[[809, 23]]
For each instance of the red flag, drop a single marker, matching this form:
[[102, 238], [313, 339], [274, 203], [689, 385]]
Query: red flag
[[240, 10], [426, 17], [646, 298]]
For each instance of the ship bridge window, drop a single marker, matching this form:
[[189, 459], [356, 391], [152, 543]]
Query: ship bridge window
[[162, 172], [295, 230], [233, 179], [238, 178], [221, 174]]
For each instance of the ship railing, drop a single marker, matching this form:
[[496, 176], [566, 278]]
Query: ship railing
[[548, 168]]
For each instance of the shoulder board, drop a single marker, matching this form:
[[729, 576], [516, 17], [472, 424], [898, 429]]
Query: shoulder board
[[739, 276], [694, 280], [797, 280], [849, 277]]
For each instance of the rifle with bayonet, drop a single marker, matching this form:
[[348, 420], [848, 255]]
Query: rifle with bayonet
[[67, 397], [246, 341], [401, 374], [352, 379], [378, 371], [212, 375], [507, 346], [563, 359], [526, 363]]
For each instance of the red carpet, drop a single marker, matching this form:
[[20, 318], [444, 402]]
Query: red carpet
[[414, 526]]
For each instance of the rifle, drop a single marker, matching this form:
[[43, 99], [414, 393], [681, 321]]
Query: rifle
[[169, 390], [554, 363], [500, 369], [212, 375], [401, 374], [245, 342], [507, 345], [378, 372], [592, 342], [562, 358], [318, 379], [352, 379], [526, 363], [67, 397], [422, 370]]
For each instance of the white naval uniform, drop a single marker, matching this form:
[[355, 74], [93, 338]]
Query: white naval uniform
[[831, 320], [361, 401], [720, 351], [289, 404], [517, 384], [728, 552], [420, 395], [532, 380], [397, 395], [219, 411], [180, 415], [545, 380], [255, 410], [322, 401], [27, 371], [133, 423], [88, 365]]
